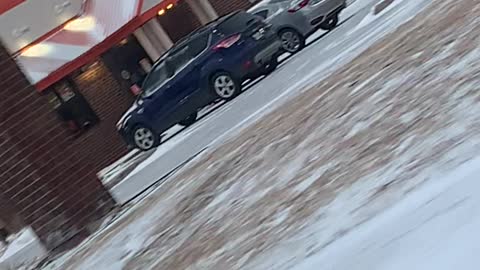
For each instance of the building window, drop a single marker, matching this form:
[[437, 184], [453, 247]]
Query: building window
[[71, 106]]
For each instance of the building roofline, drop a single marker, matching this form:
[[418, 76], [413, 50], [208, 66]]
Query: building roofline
[[93, 53]]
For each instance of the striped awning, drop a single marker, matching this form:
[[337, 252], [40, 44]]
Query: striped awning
[[103, 24]]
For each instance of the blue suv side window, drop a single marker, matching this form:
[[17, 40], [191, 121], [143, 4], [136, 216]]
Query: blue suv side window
[[155, 79], [181, 56], [173, 63]]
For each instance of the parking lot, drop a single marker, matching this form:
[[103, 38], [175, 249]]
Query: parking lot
[[322, 56]]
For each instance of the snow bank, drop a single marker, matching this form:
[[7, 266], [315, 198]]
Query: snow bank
[[371, 17], [24, 250]]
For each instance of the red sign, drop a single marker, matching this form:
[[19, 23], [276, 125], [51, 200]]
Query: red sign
[[6, 5], [135, 90]]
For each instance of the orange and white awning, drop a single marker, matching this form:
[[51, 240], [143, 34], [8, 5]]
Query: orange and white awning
[[80, 41]]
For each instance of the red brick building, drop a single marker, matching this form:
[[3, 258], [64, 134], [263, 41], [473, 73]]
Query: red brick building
[[57, 118]]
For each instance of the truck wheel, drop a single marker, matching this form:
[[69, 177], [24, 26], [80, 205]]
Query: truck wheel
[[271, 66], [190, 120], [330, 23], [292, 40]]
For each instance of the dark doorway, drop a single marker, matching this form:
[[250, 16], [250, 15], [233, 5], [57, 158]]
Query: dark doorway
[[128, 62]]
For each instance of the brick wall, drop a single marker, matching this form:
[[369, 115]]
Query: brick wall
[[181, 20], [10, 220], [46, 174], [109, 101], [225, 6]]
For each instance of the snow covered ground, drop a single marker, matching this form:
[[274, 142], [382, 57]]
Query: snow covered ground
[[347, 159], [24, 249], [434, 227]]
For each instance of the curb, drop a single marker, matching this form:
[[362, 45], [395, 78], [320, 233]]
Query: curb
[[382, 5]]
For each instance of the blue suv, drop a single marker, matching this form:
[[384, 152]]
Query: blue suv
[[209, 64]]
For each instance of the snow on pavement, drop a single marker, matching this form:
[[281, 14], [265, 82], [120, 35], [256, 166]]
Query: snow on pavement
[[23, 249], [371, 16]]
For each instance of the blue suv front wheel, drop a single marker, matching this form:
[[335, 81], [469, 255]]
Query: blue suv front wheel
[[145, 138]]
